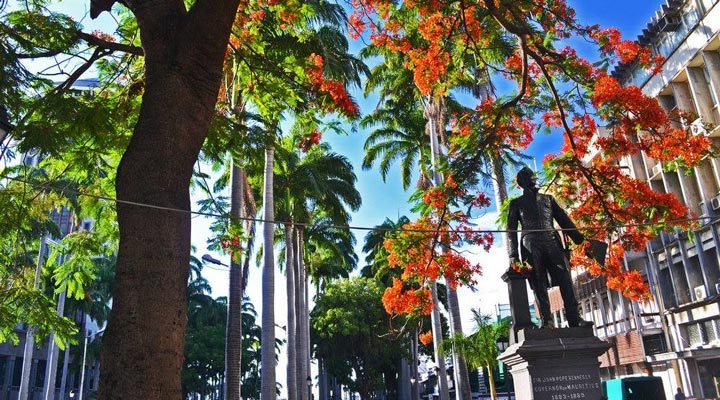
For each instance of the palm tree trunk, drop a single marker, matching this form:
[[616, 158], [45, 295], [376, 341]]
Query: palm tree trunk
[[437, 338], [267, 355], [64, 374], [415, 386], [233, 329], [491, 381], [462, 379], [433, 115], [291, 329], [499, 185], [301, 373], [304, 323]]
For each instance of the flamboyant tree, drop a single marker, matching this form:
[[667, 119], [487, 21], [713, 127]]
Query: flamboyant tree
[[525, 42]]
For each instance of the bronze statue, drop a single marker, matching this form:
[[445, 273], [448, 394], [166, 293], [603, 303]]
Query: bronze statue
[[541, 248]]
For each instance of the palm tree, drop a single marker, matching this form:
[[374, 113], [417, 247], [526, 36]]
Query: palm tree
[[480, 349], [268, 282], [396, 87], [233, 329], [320, 184], [376, 265], [399, 136]]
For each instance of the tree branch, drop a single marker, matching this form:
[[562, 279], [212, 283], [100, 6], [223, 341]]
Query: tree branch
[[107, 45]]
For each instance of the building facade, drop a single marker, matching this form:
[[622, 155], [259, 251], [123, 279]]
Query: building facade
[[677, 335]]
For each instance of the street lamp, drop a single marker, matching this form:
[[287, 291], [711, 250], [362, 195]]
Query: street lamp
[[82, 373], [213, 260], [502, 344]]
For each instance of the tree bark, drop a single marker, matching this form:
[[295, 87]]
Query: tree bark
[[233, 329], [184, 50], [499, 185], [491, 381], [268, 284], [298, 319], [433, 113], [437, 338], [303, 337], [462, 379], [291, 325]]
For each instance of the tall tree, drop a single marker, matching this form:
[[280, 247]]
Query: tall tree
[[233, 329], [268, 280]]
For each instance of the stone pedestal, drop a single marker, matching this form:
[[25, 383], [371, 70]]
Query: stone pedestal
[[519, 305], [556, 364]]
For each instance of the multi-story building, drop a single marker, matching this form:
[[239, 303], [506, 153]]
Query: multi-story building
[[677, 335]]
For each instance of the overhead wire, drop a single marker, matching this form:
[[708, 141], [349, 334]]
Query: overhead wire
[[43, 186]]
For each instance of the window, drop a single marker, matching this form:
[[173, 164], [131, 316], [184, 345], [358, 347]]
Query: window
[[702, 332], [708, 328], [40, 373], [690, 15], [694, 337], [3, 367]]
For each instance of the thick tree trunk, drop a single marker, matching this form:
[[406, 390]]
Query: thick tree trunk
[[143, 347], [291, 328], [268, 284], [233, 329]]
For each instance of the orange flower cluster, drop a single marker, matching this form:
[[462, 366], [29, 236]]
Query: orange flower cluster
[[484, 124], [434, 38], [640, 124], [230, 242], [339, 99], [630, 283], [308, 141], [429, 65], [414, 250], [398, 300], [426, 338], [627, 51]]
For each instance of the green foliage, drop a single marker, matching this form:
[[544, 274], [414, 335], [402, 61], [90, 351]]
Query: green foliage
[[205, 342], [480, 348], [351, 332], [72, 263]]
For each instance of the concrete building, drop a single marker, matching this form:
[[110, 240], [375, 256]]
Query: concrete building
[[676, 336]]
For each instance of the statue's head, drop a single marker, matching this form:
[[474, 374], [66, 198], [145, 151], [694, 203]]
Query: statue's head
[[526, 178]]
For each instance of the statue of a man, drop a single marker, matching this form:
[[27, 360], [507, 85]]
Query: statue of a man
[[541, 247]]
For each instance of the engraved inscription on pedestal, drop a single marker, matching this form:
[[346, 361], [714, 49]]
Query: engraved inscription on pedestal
[[565, 387], [556, 364]]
